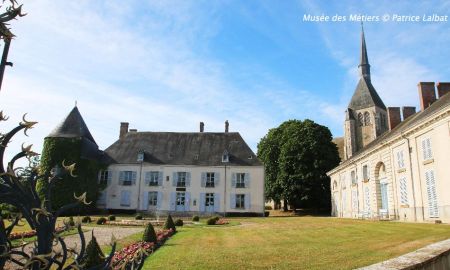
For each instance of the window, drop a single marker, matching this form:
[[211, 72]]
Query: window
[[225, 156], [366, 118], [181, 198], [210, 180], [181, 179], [426, 149], [334, 185], [400, 160], [403, 191], [209, 199], [102, 198], [140, 156], [240, 180], [360, 119], [125, 196], [431, 192], [153, 198], [353, 176], [367, 199], [127, 178], [366, 172], [240, 201], [355, 200], [104, 177], [152, 178]]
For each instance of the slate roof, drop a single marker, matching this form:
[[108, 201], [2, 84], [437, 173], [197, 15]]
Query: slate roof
[[411, 121], [73, 126], [365, 96], [182, 148]]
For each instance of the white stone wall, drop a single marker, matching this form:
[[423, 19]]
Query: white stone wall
[[223, 188], [413, 170]]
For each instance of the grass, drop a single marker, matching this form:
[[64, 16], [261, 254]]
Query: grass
[[292, 243]]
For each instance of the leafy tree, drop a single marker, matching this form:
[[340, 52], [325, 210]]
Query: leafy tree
[[297, 155]]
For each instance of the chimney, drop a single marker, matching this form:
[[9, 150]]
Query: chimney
[[123, 129], [202, 127], [427, 94], [443, 88], [394, 118], [227, 125], [408, 111]]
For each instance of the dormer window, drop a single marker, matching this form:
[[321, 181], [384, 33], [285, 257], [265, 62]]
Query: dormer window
[[225, 156], [140, 156]]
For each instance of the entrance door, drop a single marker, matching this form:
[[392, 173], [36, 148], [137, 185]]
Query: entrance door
[[384, 200], [209, 202], [181, 201]]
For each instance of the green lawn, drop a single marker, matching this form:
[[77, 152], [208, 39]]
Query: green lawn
[[293, 243]]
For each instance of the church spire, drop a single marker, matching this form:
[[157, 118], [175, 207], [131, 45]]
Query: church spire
[[364, 66]]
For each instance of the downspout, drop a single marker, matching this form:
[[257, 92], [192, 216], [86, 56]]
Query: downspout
[[139, 188], [225, 192]]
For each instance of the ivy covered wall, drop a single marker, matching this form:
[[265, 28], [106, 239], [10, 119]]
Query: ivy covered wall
[[55, 151]]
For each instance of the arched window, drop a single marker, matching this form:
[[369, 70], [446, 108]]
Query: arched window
[[366, 118], [360, 119]]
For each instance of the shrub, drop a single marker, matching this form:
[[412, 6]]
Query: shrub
[[71, 222], [149, 234], [101, 221], [179, 222], [268, 207], [266, 213], [86, 219], [211, 221], [94, 255], [196, 218], [111, 217], [169, 224], [138, 217], [216, 218]]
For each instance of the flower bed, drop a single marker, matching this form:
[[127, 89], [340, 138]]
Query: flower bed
[[222, 222], [28, 234], [132, 253]]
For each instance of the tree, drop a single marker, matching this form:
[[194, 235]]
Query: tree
[[149, 234], [297, 155], [169, 224]]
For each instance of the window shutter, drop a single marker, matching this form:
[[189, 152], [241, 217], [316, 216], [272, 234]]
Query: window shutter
[[247, 201], [133, 178], [121, 177], [216, 202], [173, 197], [187, 202], [403, 191], [232, 201], [147, 178], [247, 180], [216, 179], [202, 202], [429, 153], [424, 149], [203, 181], [233, 180], [355, 200], [367, 197], [160, 178], [188, 179], [431, 191], [174, 179], [159, 200], [109, 180], [144, 202]]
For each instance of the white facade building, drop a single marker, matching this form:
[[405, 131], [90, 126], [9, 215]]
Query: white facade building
[[186, 173]]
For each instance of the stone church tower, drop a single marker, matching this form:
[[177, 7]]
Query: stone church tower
[[366, 116]]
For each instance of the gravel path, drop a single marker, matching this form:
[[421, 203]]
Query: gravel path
[[102, 234]]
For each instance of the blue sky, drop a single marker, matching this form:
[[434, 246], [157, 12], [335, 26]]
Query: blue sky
[[167, 65]]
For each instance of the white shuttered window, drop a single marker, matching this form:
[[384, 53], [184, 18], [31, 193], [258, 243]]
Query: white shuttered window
[[403, 191], [431, 192], [426, 149]]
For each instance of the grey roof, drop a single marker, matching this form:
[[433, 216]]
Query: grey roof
[[73, 126], [404, 125], [176, 148], [365, 96]]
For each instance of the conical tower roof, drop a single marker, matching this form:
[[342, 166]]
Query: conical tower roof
[[73, 126], [365, 94]]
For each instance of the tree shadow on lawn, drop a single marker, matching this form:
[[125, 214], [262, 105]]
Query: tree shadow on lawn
[[299, 213]]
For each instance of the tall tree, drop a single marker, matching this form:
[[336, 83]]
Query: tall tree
[[297, 155]]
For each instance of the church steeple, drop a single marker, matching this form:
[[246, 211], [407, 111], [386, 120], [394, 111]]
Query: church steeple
[[364, 67]]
